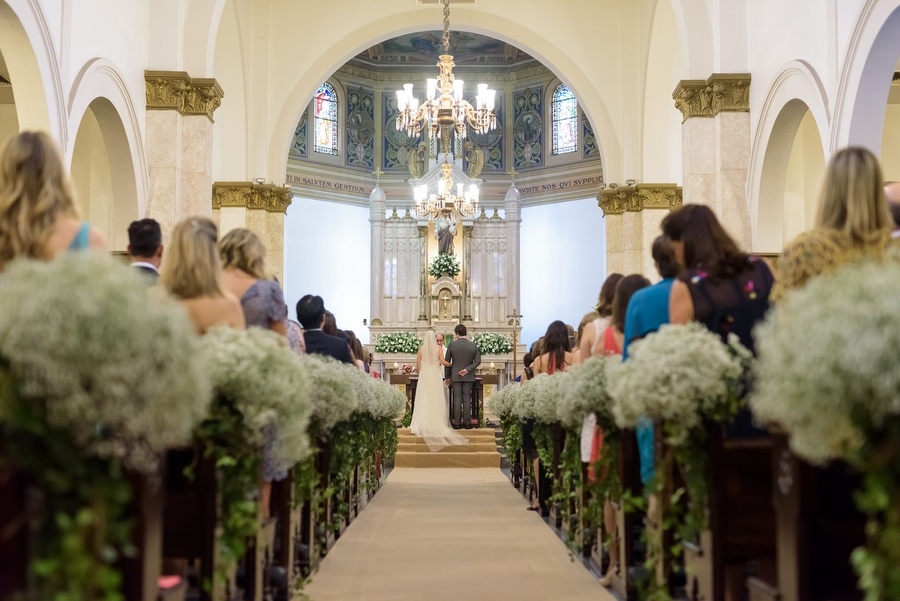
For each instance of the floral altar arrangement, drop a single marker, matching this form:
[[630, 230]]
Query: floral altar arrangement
[[687, 380], [827, 374], [404, 343], [492, 343], [94, 377], [444, 264], [262, 400]]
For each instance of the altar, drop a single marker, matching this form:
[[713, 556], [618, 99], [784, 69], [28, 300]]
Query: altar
[[411, 384]]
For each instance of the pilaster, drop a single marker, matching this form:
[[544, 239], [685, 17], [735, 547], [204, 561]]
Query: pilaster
[[716, 147], [377, 200], [423, 269], [258, 207], [513, 219], [179, 144], [633, 216], [468, 229]]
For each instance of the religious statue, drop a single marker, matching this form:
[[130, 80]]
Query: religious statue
[[444, 231], [444, 304], [475, 156], [416, 160]]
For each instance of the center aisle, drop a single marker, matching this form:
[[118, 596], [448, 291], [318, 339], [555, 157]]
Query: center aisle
[[450, 534]]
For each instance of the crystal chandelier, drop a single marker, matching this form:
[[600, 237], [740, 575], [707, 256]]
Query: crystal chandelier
[[449, 109], [445, 202]]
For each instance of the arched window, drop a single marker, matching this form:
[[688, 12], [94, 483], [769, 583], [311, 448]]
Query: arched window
[[325, 118], [565, 121]]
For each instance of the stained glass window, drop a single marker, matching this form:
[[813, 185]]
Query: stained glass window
[[565, 121], [325, 120]]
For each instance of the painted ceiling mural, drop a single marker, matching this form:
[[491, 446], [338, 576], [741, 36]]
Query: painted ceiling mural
[[423, 48]]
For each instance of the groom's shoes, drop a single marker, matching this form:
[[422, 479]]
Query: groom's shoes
[[454, 424]]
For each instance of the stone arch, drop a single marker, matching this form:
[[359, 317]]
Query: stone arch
[[286, 116], [27, 48], [865, 79], [201, 26], [796, 91], [695, 27]]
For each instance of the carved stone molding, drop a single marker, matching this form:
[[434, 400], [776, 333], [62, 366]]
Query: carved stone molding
[[257, 197], [615, 201], [176, 90], [720, 92]]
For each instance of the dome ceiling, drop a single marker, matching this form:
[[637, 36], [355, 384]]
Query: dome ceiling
[[417, 50]]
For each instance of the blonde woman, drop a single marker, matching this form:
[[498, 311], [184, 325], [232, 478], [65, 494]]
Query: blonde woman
[[245, 276], [853, 222], [191, 271], [38, 215]]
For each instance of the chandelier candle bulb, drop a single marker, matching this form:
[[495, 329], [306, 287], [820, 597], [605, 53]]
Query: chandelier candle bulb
[[432, 88]]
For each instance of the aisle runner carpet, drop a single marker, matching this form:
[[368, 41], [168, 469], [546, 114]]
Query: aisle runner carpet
[[481, 451], [450, 535]]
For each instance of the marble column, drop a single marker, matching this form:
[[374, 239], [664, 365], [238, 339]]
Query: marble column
[[179, 144], [377, 200], [633, 216], [423, 269], [513, 220], [258, 207], [716, 147], [468, 229]]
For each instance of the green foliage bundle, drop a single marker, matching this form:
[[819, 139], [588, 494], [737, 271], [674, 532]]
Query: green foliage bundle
[[94, 377]]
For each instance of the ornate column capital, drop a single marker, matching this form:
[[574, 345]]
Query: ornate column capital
[[615, 201], [423, 231], [176, 90], [720, 92], [467, 231], [249, 195]]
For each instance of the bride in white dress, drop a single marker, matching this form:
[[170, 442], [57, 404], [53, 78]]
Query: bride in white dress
[[430, 419]]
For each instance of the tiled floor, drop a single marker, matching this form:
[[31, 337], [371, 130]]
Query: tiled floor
[[446, 535]]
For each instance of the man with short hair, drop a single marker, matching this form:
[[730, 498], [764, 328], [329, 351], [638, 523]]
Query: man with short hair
[[464, 357], [892, 194], [145, 247], [311, 315]]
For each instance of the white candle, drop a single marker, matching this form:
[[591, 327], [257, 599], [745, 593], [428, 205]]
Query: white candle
[[492, 365], [396, 365]]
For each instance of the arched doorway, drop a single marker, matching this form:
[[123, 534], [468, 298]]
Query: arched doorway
[[102, 172]]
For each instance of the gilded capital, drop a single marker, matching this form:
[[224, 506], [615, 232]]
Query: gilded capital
[[423, 231], [467, 231], [249, 195], [176, 90], [615, 201], [719, 93]]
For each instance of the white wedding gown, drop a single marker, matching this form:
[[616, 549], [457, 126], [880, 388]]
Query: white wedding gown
[[430, 419]]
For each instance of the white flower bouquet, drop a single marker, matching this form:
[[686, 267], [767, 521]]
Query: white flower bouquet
[[444, 264], [827, 374], [398, 342], [683, 375], [501, 403], [525, 399], [547, 391], [588, 392], [377, 398], [258, 372], [119, 373], [492, 343], [333, 394]]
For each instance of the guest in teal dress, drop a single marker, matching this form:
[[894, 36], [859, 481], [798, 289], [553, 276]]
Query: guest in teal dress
[[648, 310]]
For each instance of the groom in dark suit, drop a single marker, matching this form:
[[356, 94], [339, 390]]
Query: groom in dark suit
[[464, 357]]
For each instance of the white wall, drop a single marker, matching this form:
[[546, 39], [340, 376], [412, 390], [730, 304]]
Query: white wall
[[563, 263], [327, 252]]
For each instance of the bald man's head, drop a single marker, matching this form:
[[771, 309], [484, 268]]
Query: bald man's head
[[892, 193]]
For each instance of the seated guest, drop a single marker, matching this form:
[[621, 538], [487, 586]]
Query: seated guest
[[892, 194], [295, 337], [527, 372], [191, 272], [311, 315], [593, 324], [38, 215], [356, 350], [145, 247], [329, 325], [244, 275]]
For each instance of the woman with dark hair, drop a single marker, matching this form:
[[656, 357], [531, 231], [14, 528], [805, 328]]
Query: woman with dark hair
[[721, 286], [329, 324], [591, 330], [356, 351]]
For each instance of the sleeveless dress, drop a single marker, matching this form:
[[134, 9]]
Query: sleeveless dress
[[430, 419], [81, 241]]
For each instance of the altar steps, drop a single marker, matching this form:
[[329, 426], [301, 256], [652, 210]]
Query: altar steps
[[480, 451]]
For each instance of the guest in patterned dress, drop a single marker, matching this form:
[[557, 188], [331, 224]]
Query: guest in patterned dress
[[853, 222]]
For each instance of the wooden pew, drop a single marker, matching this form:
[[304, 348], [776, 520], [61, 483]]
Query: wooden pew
[[13, 536], [629, 524], [817, 526]]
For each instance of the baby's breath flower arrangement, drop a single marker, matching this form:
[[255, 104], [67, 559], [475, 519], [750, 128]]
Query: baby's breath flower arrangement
[[398, 343], [492, 343], [93, 376], [333, 394], [827, 374], [687, 380], [501, 404], [444, 264], [261, 401]]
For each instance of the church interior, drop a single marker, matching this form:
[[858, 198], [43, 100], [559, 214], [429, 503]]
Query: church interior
[[515, 175]]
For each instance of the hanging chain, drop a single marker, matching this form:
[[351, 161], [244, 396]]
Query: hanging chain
[[446, 26]]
